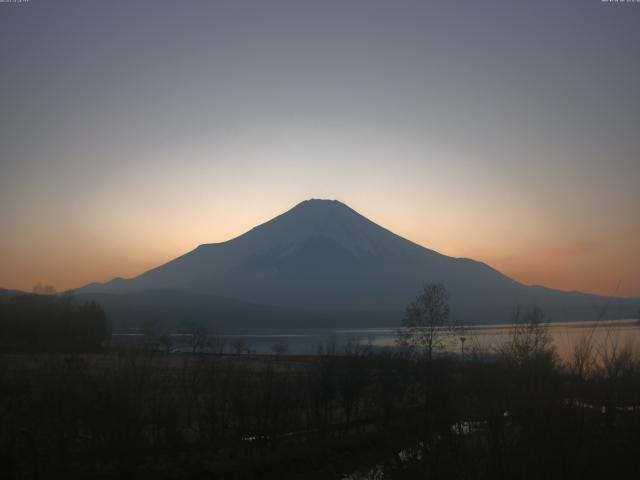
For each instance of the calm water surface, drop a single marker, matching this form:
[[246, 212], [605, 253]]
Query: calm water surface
[[485, 338]]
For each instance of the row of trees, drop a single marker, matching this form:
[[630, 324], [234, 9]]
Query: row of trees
[[51, 323]]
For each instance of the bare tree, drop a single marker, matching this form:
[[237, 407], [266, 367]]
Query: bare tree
[[198, 336], [530, 340], [427, 322], [166, 341], [43, 289], [240, 345], [279, 349], [218, 343]]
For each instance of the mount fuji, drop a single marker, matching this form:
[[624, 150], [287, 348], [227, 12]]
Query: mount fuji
[[322, 263]]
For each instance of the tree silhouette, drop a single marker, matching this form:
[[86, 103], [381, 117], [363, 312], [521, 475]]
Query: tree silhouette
[[427, 321], [51, 323]]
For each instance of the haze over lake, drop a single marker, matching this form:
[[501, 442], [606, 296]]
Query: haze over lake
[[480, 339]]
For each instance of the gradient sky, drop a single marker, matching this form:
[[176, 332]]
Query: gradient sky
[[504, 131]]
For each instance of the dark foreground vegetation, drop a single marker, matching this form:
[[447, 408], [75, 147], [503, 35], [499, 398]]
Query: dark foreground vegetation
[[42, 323], [72, 408], [361, 414]]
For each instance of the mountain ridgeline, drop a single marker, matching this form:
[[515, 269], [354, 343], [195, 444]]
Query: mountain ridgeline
[[323, 264]]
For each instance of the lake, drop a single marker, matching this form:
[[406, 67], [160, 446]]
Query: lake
[[482, 338]]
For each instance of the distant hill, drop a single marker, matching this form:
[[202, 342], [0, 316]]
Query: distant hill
[[10, 293], [323, 263]]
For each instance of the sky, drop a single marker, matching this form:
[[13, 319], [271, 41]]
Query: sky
[[507, 132]]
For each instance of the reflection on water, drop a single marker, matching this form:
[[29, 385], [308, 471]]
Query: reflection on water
[[398, 462], [479, 339]]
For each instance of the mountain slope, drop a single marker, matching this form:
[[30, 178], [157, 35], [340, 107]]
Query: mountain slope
[[322, 255]]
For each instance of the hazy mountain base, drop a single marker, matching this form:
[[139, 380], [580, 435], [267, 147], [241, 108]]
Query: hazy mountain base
[[170, 309]]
